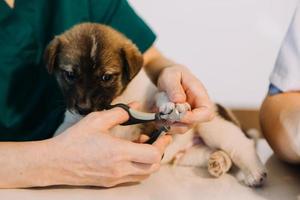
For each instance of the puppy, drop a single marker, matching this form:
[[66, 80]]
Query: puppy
[[96, 66]]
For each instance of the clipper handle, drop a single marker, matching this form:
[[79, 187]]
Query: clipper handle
[[136, 117], [157, 133]]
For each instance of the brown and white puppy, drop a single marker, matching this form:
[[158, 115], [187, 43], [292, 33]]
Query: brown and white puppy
[[95, 66]]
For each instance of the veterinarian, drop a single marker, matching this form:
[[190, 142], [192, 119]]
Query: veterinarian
[[280, 111], [30, 101]]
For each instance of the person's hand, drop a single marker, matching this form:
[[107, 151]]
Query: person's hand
[[89, 155], [182, 86]]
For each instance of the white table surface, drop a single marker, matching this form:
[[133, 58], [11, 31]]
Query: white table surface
[[181, 183]]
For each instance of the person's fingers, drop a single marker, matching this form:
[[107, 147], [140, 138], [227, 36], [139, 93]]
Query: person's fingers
[[141, 153], [128, 179], [197, 96], [182, 86], [142, 139], [143, 169], [171, 83], [202, 114], [134, 168], [145, 153], [179, 128], [162, 142], [176, 93], [110, 118]]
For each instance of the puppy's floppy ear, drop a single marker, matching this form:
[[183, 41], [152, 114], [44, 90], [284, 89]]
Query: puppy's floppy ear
[[132, 60], [50, 54]]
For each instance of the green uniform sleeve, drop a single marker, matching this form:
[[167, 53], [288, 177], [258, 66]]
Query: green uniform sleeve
[[123, 18]]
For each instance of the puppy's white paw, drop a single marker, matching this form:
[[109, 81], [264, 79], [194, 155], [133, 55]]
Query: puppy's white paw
[[255, 178], [173, 111], [253, 170], [182, 108], [167, 107], [219, 163]]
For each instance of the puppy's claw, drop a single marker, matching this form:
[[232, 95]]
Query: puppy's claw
[[183, 107], [256, 179], [167, 108]]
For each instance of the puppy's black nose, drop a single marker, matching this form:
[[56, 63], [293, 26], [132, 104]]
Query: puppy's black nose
[[82, 111]]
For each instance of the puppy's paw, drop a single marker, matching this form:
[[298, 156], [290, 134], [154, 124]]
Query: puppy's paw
[[167, 107], [255, 178], [219, 163], [163, 103], [177, 160], [253, 170], [182, 108]]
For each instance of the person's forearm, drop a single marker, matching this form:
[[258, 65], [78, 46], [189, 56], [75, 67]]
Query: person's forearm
[[28, 164], [279, 119], [155, 62]]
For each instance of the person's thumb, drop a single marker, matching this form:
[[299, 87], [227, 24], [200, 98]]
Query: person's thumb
[[176, 93], [162, 143], [112, 117], [116, 116], [172, 86]]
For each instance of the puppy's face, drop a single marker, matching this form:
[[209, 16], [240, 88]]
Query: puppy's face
[[93, 65]]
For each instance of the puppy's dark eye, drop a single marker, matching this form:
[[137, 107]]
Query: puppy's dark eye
[[69, 76], [106, 77]]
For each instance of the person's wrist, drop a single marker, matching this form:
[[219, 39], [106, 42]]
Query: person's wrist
[[55, 166], [179, 67], [159, 70], [174, 67], [39, 165]]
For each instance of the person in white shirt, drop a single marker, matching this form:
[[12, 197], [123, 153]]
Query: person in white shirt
[[280, 111]]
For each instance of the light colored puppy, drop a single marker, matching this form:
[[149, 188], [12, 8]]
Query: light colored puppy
[[214, 145], [97, 66]]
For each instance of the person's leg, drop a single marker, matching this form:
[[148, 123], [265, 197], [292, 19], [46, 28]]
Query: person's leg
[[280, 122]]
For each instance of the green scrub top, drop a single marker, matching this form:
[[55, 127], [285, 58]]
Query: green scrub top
[[31, 104]]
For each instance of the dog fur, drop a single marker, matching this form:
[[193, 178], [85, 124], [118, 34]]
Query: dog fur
[[97, 66]]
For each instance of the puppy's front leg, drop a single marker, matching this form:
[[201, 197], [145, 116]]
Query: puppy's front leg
[[195, 156], [216, 162], [186, 150]]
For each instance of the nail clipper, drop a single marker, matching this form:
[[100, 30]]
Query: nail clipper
[[137, 117]]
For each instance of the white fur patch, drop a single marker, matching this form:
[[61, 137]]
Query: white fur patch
[[94, 47], [68, 68]]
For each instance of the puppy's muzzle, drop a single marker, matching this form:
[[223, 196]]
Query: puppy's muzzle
[[83, 110]]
